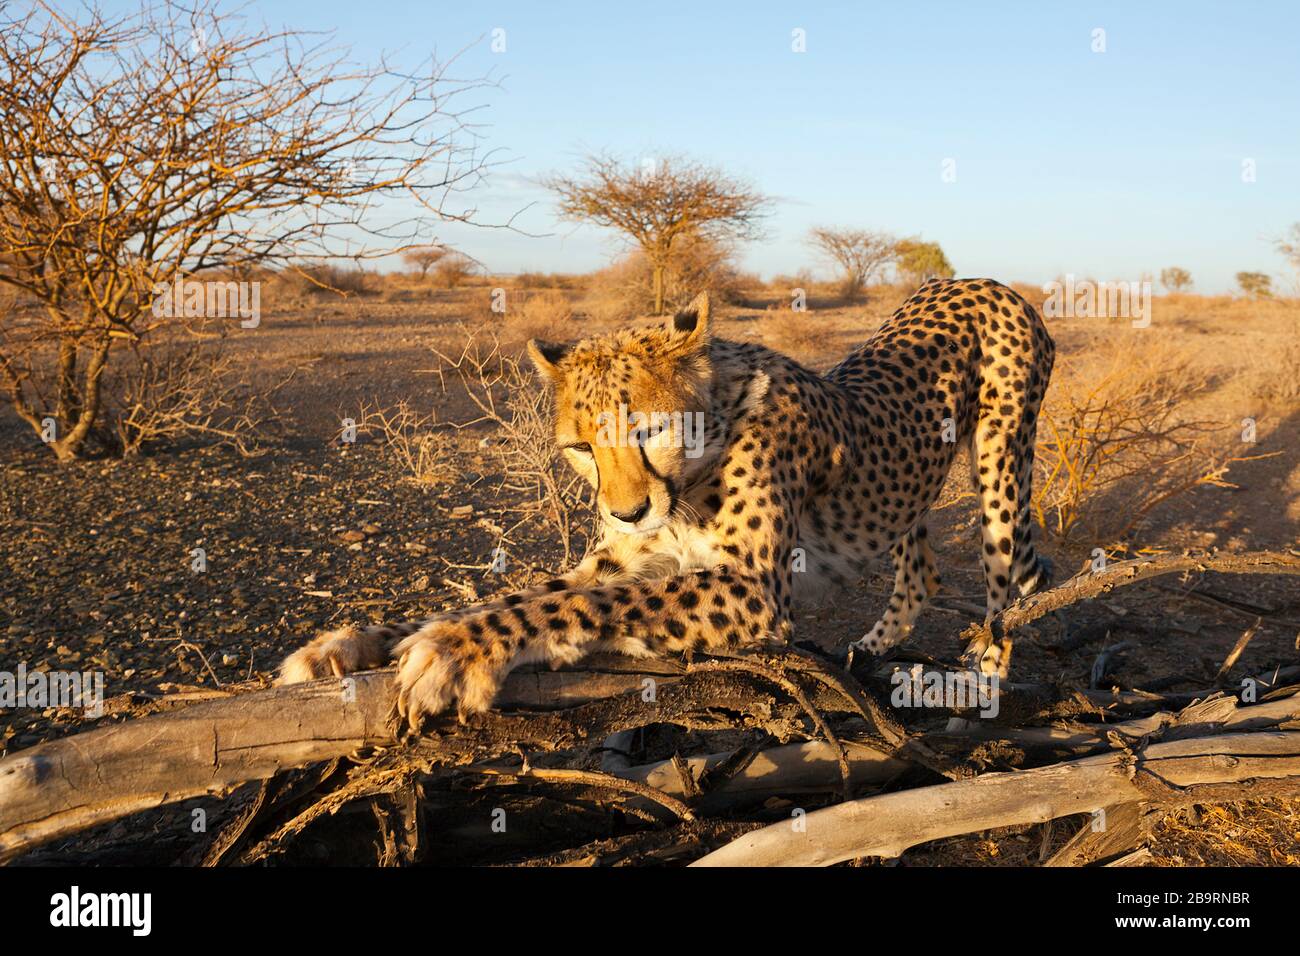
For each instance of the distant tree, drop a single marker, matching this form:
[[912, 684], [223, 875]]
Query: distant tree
[[424, 258], [657, 205], [1257, 285], [919, 261], [860, 253], [1289, 246], [453, 269], [1175, 279]]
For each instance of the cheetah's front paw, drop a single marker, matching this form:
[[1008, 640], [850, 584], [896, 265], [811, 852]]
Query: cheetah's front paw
[[334, 653], [989, 657], [441, 664]]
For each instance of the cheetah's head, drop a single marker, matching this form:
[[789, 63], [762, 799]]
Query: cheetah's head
[[632, 414]]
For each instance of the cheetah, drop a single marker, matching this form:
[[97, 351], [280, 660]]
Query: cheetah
[[791, 478]]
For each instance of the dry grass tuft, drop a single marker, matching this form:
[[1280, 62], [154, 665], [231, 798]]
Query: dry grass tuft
[[546, 315], [1273, 375], [418, 443], [797, 334]]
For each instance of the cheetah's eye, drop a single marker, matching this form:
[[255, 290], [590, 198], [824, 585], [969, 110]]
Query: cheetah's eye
[[646, 434], [581, 447]]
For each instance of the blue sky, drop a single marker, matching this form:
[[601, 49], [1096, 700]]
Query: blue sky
[[1067, 160]]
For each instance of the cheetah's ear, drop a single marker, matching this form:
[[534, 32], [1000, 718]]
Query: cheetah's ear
[[547, 356], [690, 327]]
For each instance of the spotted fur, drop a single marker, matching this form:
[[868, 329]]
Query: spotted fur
[[799, 478]]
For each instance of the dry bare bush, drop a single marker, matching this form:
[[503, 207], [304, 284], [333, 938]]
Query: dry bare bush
[[1273, 374], [1113, 444], [1176, 279], [519, 412], [544, 315], [785, 287], [425, 258], [420, 444], [548, 280], [329, 279], [627, 287], [166, 393], [146, 148], [453, 270], [793, 333]]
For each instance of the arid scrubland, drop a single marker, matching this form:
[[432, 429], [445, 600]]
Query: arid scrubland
[[1178, 435], [216, 441]]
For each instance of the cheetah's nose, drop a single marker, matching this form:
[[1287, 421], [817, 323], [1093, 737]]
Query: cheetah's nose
[[635, 515]]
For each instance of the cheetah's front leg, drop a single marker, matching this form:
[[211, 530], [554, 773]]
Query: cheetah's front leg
[[348, 649], [916, 580], [464, 661]]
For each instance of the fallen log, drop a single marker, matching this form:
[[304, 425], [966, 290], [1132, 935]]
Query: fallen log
[[1205, 717], [1168, 774], [212, 747]]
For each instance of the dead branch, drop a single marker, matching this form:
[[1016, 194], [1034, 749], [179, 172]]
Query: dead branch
[[1094, 583], [1170, 774], [815, 766]]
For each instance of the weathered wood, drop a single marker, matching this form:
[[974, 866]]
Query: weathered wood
[[1091, 584], [811, 767], [211, 747], [1164, 773], [1203, 718], [67, 785], [1114, 833]]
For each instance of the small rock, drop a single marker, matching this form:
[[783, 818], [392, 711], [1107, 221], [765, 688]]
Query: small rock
[[353, 535]]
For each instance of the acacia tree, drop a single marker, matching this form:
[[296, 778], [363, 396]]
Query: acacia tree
[[860, 253], [1257, 285], [1176, 279], [657, 205], [919, 261], [424, 258], [140, 149]]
